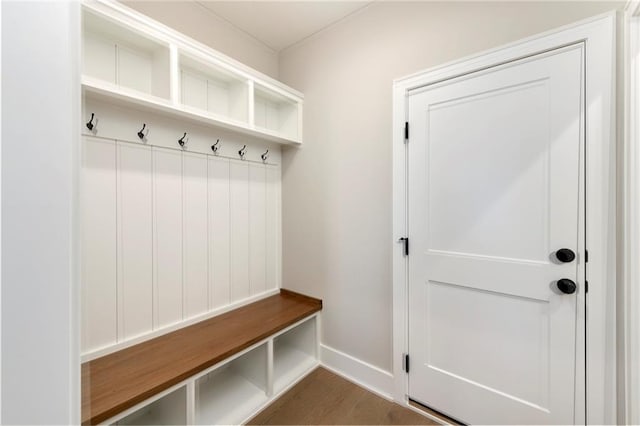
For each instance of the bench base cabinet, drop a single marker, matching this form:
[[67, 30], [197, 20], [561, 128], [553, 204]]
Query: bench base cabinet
[[171, 409], [235, 390], [229, 392], [294, 354]]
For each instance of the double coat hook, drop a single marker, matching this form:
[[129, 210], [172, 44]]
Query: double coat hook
[[141, 133], [90, 122], [215, 147], [265, 156], [181, 141], [242, 152]]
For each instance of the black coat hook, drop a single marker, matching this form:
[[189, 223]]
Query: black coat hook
[[215, 146], [265, 156], [141, 134], [90, 123], [242, 152], [181, 141]]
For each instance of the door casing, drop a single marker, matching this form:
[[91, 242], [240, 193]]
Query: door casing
[[598, 36], [631, 214]]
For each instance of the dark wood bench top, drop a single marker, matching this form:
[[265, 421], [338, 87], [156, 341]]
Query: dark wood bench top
[[115, 382]]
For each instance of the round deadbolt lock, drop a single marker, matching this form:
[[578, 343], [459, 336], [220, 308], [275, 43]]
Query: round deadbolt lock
[[565, 255], [566, 286]]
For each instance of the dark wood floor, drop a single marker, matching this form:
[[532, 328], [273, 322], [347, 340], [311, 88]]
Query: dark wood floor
[[323, 398]]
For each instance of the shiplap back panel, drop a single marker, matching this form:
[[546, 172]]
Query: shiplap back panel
[[239, 195], [167, 242], [219, 233], [195, 234], [273, 227], [99, 243], [135, 239], [169, 236], [257, 228]]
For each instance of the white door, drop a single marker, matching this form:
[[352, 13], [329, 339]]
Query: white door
[[494, 178]]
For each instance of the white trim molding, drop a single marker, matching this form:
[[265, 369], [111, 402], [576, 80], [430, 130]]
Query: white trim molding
[[631, 214], [365, 375], [599, 38], [357, 371]]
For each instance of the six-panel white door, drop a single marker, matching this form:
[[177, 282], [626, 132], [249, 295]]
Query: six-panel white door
[[493, 182]]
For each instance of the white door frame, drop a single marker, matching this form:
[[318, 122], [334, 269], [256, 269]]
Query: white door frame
[[598, 35], [631, 212]]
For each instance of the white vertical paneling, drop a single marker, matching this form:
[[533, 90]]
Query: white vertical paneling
[[239, 201], [252, 101], [99, 244], [272, 116], [260, 112], [257, 228], [218, 97], [238, 100], [194, 90], [161, 63], [167, 233], [175, 90], [135, 69], [195, 236], [219, 233], [134, 204], [99, 57], [273, 224]]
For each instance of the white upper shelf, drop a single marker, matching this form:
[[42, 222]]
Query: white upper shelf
[[131, 59]]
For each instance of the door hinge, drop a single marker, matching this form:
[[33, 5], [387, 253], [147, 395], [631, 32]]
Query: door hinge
[[586, 286], [405, 241], [405, 363], [406, 131], [586, 256]]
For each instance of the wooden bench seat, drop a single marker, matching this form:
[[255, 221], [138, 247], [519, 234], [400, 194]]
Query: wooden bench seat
[[120, 380]]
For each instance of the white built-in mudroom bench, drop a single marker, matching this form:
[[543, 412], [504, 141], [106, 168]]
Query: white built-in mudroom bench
[[184, 320], [219, 371]]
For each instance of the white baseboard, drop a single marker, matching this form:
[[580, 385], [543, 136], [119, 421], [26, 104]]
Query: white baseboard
[[357, 371], [368, 376]]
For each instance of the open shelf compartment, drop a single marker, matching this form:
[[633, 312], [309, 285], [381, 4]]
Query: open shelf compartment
[[294, 354], [213, 90], [276, 113], [123, 58], [171, 409], [230, 393]]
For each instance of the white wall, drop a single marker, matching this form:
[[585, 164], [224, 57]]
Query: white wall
[[40, 109], [337, 187], [197, 22]]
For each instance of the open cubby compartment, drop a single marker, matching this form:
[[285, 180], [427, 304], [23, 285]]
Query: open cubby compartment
[[294, 354], [276, 113], [210, 88], [170, 409], [119, 56], [234, 391]]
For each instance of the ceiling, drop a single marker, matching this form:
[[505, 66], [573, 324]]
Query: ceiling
[[280, 24]]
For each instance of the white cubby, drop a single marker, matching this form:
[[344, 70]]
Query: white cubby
[[275, 112], [134, 61], [209, 88], [124, 58], [171, 409], [294, 354], [232, 392]]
